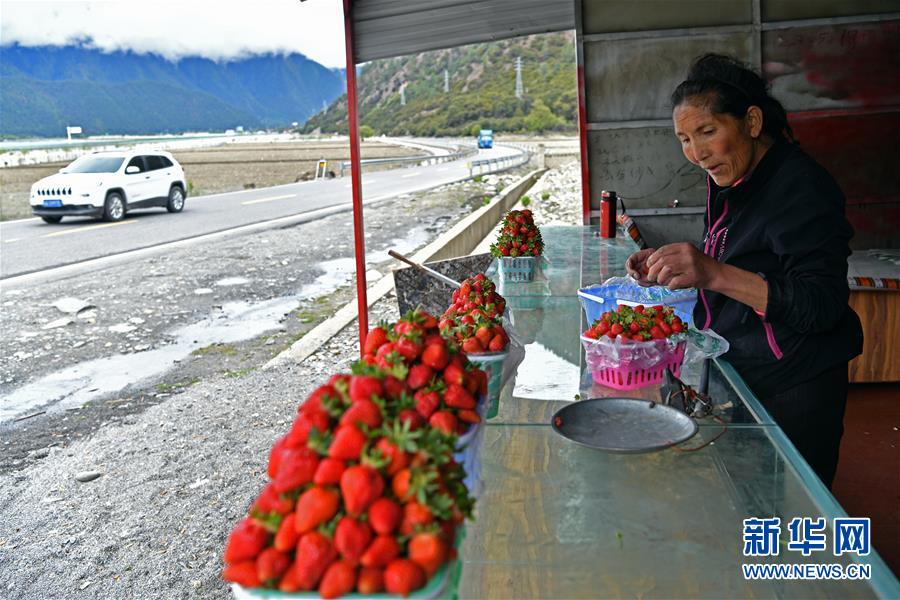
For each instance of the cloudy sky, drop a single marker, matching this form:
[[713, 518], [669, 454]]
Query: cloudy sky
[[219, 29]]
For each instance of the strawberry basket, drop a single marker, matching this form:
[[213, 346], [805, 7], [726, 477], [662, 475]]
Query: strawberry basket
[[518, 269], [633, 347], [634, 364]]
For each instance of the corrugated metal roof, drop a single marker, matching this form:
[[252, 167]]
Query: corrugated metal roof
[[386, 28]]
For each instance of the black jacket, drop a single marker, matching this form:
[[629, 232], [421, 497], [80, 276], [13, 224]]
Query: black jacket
[[785, 222]]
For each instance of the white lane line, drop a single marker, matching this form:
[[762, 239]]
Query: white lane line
[[89, 228], [12, 240], [409, 175], [269, 199]]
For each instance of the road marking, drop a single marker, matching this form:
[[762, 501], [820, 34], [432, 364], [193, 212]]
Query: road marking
[[12, 240], [269, 199], [89, 228], [410, 175]]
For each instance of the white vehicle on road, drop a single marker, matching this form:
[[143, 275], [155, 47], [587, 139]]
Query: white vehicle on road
[[108, 185]]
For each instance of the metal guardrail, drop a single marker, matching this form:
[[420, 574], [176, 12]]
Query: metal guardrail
[[490, 165], [425, 160]]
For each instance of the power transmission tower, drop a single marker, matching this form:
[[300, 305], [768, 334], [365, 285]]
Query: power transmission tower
[[446, 81], [520, 90]]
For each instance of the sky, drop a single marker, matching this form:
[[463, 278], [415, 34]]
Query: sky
[[220, 30]]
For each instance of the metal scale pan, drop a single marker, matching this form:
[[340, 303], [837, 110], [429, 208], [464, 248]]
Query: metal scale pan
[[626, 425]]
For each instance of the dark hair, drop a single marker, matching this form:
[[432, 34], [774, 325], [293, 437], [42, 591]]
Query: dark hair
[[729, 87]]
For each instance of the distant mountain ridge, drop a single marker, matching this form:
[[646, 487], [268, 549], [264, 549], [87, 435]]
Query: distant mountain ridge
[[481, 93], [45, 88]]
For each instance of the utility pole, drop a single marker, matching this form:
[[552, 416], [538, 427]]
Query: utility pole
[[520, 91], [446, 81]]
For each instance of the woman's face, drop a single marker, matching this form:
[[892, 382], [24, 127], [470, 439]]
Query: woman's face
[[721, 145]]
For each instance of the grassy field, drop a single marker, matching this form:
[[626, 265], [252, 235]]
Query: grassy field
[[214, 170]]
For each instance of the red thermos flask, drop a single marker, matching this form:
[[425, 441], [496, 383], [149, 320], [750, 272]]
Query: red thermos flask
[[608, 202]]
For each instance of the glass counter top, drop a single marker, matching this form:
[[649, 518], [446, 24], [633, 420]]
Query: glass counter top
[[555, 519]]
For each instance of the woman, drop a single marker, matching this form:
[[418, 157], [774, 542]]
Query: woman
[[772, 272]]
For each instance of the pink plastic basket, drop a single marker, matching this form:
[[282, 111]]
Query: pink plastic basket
[[632, 377]]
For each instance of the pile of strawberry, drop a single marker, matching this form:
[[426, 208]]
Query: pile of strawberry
[[519, 236], [475, 318], [365, 494], [638, 324]]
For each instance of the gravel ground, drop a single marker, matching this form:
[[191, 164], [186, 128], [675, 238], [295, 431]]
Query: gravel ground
[[174, 471]]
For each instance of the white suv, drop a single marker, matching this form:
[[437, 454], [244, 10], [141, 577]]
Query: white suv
[[109, 184]]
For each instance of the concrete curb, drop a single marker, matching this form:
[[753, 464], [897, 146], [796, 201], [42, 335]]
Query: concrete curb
[[460, 240]]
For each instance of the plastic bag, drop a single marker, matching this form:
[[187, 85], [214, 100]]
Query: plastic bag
[[605, 353], [627, 288]]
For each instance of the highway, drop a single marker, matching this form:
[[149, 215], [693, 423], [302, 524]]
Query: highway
[[32, 246]]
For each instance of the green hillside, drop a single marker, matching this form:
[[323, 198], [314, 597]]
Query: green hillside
[[482, 91]]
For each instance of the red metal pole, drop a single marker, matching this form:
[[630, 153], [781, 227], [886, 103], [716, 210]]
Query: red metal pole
[[582, 134], [356, 179]]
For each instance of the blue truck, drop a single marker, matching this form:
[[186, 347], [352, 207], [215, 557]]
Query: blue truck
[[486, 138]]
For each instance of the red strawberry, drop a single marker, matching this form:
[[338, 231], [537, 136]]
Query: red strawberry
[[303, 424], [370, 581], [385, 516], [469, 416], [394, 388], [403, 576], [454, 373], [429, 321], [246, 541], [315, 506], [362, 411], [483, 334], [497, 343], [242, 573], [410, 416], [351, 538], [400, 485], [435, 355], [271, 565], [375, 338], [415, 515], [347, 444], [457, 396], [275, 455], [397, 459], [360, 487], [270, 501], [364, 387], [329, 471], [339, 579], [428, 551], [314, 553], [472, 346], [287, 536], [481, 379], [314, 404], [445, 421], [427, 403], [408, 348], [296, 468], [382, 550], [419, 376]]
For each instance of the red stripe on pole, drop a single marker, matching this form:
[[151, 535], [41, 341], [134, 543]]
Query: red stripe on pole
[[356, 180], [582, 134]]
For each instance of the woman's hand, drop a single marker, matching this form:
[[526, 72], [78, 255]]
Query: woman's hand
[[636, 266], [678, 266]]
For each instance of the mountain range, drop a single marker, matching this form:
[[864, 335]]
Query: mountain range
[[480, 90], [45, 88]]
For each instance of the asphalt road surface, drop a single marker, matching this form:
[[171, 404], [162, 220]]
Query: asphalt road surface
[[30, 245]]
